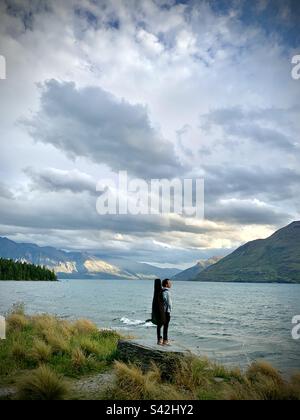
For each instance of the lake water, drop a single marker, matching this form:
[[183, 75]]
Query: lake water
[[230, 323]]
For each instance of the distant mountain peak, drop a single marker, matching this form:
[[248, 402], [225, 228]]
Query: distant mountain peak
[[275, 259], [192, 272]]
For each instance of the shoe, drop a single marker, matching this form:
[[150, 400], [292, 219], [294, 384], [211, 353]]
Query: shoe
[[160, 342], [166, 343]]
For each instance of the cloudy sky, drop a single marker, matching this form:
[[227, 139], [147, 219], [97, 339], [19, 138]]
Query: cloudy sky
[[161, 89]]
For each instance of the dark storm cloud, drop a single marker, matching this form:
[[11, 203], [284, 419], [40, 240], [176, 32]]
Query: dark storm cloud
[[92, 123]]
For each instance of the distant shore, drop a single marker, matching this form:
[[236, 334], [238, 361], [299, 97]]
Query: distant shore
[[22, 271]]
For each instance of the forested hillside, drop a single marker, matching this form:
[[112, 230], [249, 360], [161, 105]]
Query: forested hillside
[[11, 270]]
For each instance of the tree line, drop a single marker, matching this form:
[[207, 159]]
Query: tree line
[[13, 270]]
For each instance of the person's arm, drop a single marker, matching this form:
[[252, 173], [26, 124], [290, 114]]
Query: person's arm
[[170, 302], [167, 300]]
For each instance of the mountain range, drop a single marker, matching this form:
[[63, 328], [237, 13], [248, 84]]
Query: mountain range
[[272, 260], [81, 265]]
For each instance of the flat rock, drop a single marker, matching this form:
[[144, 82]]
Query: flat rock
[[144, 355]]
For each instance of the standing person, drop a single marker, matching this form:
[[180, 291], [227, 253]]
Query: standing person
[[168, 306], [158, 312]]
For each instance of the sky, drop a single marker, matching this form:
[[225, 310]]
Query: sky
[[160, 89]]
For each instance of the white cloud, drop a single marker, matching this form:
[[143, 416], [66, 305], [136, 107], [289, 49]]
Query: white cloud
[[160, 74], [150, 42]]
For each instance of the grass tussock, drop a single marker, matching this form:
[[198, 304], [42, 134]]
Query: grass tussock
[[42, 384], [67, 348], [199, 379], [45, 350], [41, 351], [296, 379], [261, 371], [89, 346], [17, 322], [268, 384], [85, 327], [79, 359], [18, 350], [133, 384], [57, 342], [44, 323]]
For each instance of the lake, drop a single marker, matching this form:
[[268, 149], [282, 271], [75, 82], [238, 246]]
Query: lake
[[230, 323]]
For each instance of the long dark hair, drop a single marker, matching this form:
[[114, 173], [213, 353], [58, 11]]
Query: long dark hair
[[158, 313]]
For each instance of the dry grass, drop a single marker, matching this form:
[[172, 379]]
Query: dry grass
[[18, 350], [191, 373], [57, 342], [89, 346], [17, 322], [263, 370], [267, 383], [44, 323], [79, 359], [84, 326], [42, 384], [41, 351], [199, 379], [133, 384], [296, 379], [56, 333], [69, 349], [75, 349]]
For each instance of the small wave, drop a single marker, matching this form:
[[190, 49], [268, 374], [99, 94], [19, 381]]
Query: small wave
[[135, 322]]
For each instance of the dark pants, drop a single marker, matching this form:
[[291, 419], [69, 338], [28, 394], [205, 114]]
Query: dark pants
[[166, 328]]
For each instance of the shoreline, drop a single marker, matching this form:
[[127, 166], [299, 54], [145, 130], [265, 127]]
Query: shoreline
[[227, 335], [82, 362], [65, 279]]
